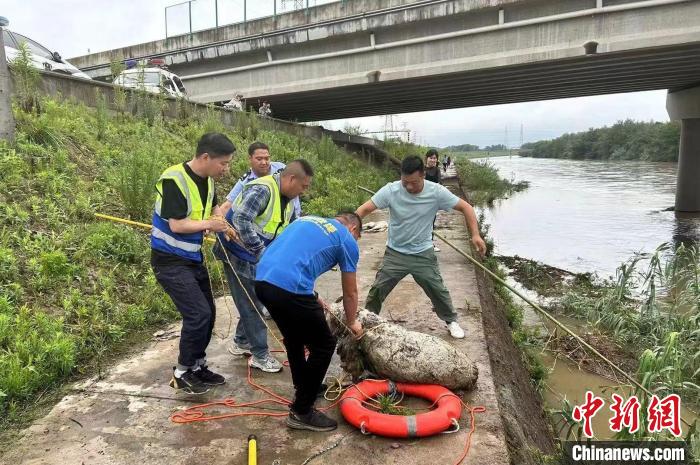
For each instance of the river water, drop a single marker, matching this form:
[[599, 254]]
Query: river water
[[587, 216]]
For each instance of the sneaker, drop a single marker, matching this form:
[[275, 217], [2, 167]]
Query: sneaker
[[188, 383], [456, 331], [235, 349], [269, 364], [208, 377], [436, 248], [312, 421]]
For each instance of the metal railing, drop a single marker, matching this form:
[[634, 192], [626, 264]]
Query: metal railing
[[198, 15]]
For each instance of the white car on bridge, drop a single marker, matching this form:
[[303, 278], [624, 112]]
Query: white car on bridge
[[151, 78], [42, 57]]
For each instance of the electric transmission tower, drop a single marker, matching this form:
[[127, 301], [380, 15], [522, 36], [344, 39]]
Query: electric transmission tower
[[388, 125]]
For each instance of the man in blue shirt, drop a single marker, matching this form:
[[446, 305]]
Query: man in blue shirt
[[413, 203], [260, 165], [284, 282]]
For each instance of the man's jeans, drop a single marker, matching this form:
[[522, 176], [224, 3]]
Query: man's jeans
[[251, 330]]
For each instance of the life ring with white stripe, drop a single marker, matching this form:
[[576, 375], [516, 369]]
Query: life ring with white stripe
[[448, 408]]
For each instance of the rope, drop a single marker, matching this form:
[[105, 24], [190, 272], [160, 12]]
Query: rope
[[543, 312], [326, 449]]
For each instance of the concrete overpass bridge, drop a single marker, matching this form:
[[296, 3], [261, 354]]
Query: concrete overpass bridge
[[371, 57]]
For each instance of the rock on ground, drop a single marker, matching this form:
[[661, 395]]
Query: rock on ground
[[393, 352]]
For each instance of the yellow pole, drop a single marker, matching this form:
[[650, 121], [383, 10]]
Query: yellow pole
[[252, 450], [137, 224]]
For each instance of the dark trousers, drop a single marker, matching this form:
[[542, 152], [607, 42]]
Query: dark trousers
[[190, 290], [302, 322]]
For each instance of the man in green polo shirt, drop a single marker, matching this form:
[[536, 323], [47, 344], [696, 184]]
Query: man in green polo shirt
[[413, 203]]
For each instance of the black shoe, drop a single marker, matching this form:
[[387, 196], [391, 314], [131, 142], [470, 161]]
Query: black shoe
[[188, 383], [208, 377], [322, 390], [312, 421]]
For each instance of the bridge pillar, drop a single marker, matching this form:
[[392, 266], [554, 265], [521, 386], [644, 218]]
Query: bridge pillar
[[684, 105]]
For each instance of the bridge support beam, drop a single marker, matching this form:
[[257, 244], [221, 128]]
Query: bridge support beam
[[684, 105]]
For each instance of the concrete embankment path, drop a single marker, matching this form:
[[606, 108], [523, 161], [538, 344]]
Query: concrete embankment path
[[124, 418]]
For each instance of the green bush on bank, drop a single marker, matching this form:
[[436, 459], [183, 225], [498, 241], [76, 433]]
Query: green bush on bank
[[484, 183]]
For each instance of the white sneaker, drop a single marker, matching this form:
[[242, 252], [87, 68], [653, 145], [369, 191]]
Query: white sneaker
[[235, 349], [436, 248], [269, 364], [456, 331]]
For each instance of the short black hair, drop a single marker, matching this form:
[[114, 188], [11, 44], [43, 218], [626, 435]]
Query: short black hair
[[431, 152], [216, 145], [351, 217], [257, 145], [299, 166], [411, 164]]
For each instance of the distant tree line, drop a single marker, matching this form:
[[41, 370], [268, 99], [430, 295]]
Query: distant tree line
[[461, 148], [625, 140], [474, 148]]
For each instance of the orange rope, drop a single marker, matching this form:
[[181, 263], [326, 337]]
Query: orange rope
[[196, 413]]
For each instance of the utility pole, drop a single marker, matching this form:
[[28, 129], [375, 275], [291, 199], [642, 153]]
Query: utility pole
[[521, 135], [7, 119], [506, 138]]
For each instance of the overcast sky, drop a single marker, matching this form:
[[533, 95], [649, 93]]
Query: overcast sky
[[72, 27]]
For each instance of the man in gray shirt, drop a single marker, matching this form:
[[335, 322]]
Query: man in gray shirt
[[413, 203]]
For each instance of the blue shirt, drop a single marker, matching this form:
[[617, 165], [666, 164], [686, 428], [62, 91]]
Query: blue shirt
[[275, 167], [304, 251], [411, 215]]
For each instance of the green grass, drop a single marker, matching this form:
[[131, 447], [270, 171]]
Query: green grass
[[483, 182], [72, 288]]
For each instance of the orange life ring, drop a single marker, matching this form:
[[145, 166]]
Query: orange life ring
[[447, 411]]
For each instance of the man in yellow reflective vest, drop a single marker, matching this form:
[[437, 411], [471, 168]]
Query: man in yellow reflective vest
[[259, 214], [185, 210]]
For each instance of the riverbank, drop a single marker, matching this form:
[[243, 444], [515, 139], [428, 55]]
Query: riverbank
[[645, 322]]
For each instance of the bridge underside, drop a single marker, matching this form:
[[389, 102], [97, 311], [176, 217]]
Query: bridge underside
[[673, 67]]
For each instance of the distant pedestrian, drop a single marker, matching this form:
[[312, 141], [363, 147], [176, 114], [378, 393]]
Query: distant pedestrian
[[432, 174], [236, 103], [265, 111], [432, 170], [449, 161]]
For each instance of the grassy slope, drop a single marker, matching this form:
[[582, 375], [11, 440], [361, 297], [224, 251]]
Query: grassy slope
[[72, 288]]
